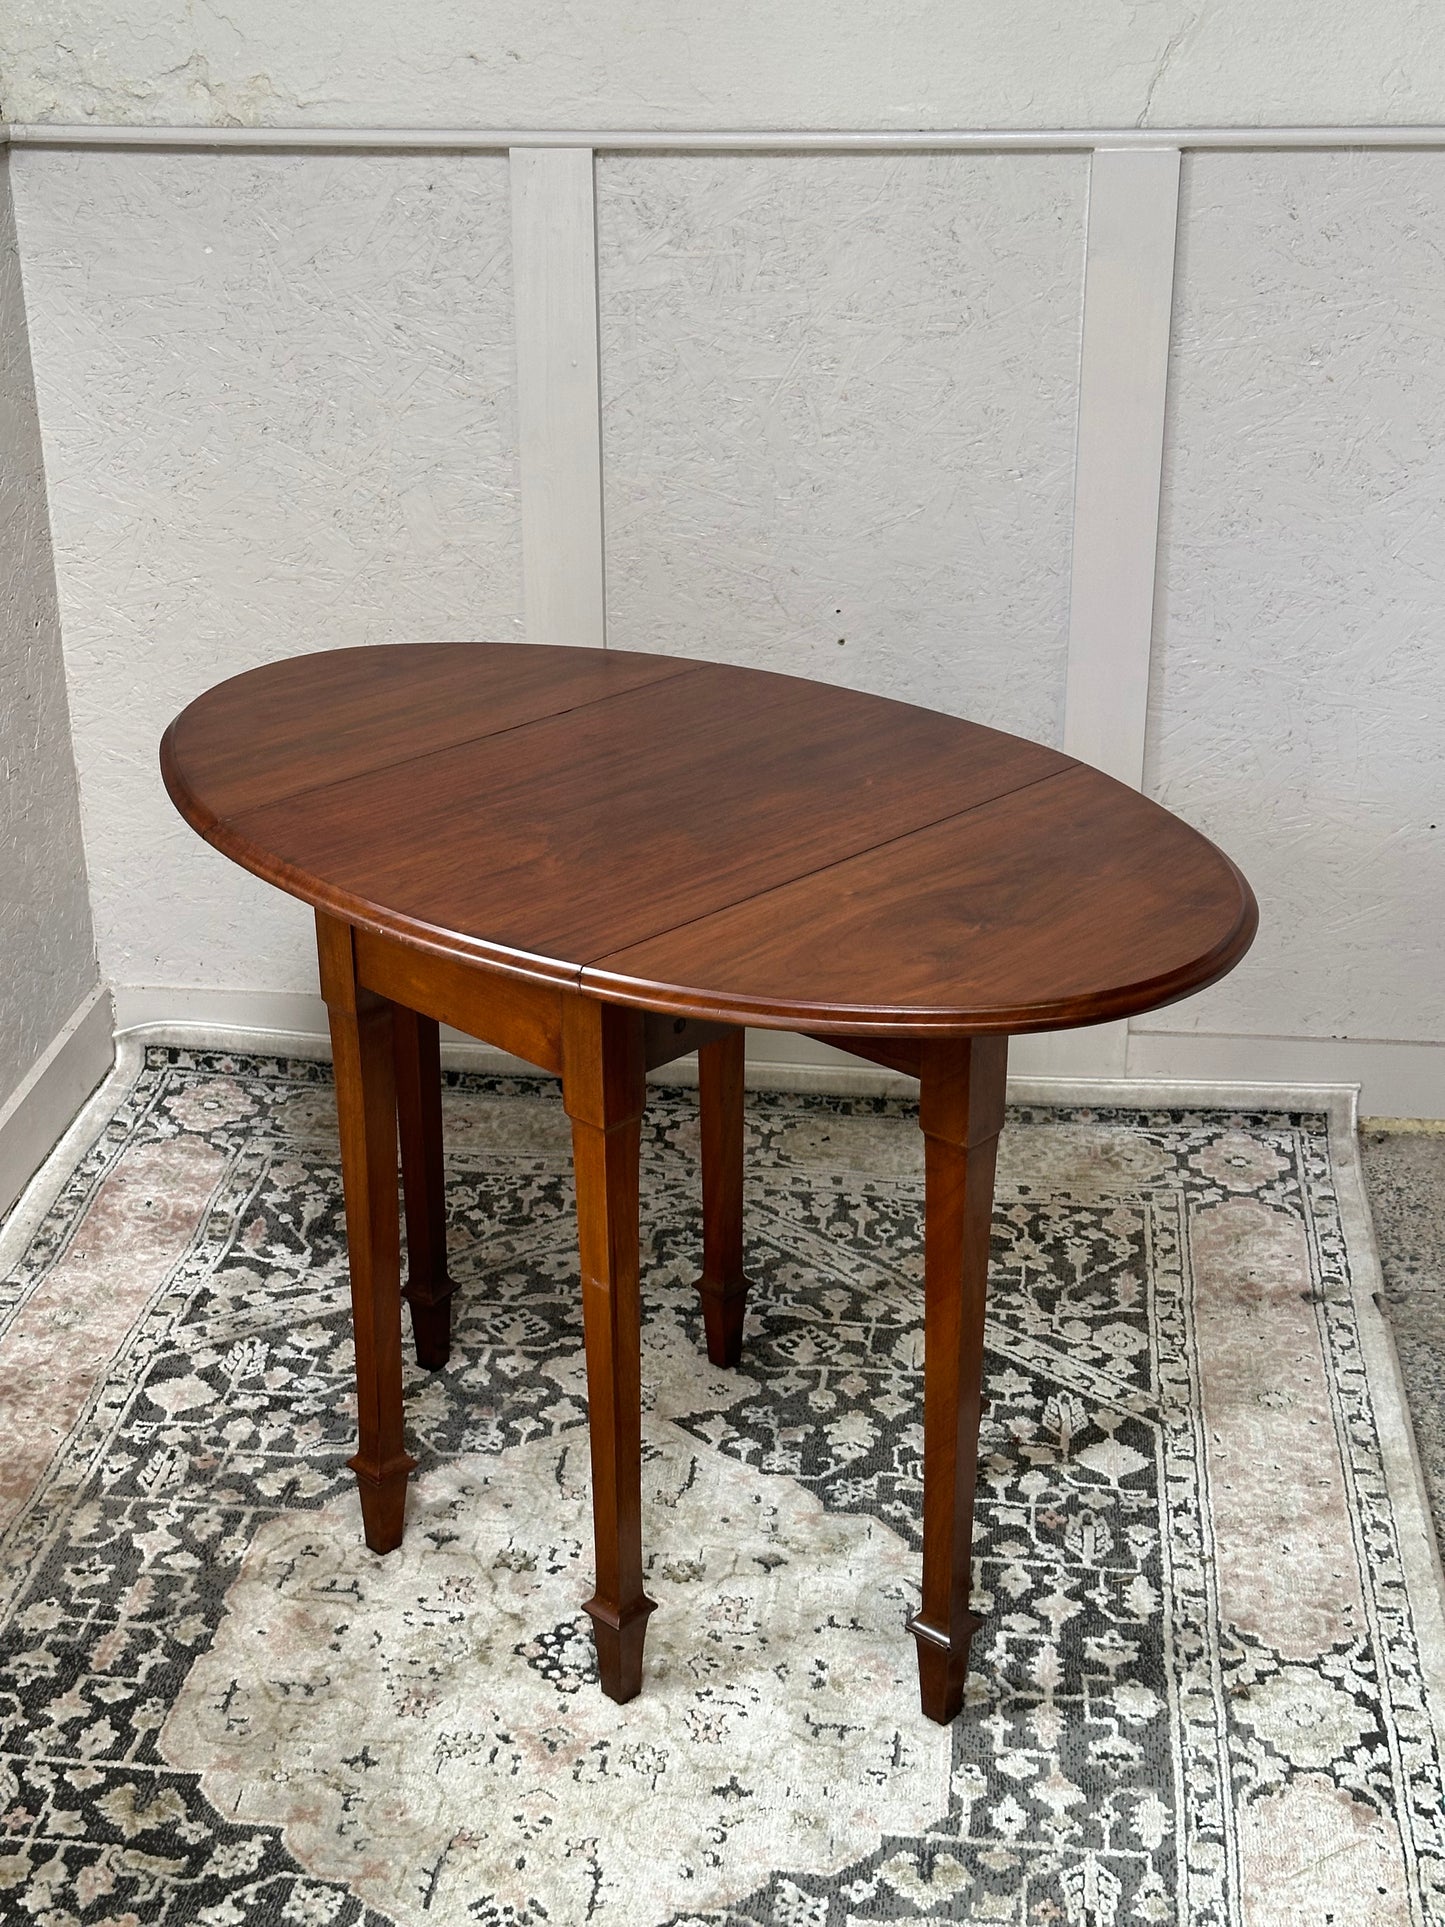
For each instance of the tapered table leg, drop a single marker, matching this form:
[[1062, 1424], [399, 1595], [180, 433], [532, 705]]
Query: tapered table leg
[[961, 1105], [603, 1090], [361, 1043], [428, 1288], [723, 1287]]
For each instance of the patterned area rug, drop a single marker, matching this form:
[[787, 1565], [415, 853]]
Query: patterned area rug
[[1205, 1687]]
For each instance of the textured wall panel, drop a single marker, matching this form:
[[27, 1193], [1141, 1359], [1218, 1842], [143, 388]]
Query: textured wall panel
[[838, 418], [276, 397], [47, 951], [753, 63], [1298, 701]]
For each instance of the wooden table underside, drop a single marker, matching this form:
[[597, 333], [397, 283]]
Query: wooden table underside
[[601, 862], [385, 1002]]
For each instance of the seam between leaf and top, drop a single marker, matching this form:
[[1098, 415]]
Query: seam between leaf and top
[[462, 742], [834, 863]]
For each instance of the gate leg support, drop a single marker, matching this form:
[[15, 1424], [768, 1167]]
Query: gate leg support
[[723, 1287], [961, 1105], [429, 1289], [361, 1042], [603, 1090]]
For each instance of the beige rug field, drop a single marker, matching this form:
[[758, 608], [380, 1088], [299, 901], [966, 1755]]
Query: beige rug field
[[1208, 1684]]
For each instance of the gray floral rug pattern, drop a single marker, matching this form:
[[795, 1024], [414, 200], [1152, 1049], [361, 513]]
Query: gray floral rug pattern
[[1198, 1694]]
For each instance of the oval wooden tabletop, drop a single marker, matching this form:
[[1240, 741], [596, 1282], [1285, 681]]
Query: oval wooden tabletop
[[714, 841]]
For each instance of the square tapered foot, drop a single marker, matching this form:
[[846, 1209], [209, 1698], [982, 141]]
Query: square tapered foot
[[431, 1327], [619, 1639], [722, 1317], [383, 1503], [943, 1668]]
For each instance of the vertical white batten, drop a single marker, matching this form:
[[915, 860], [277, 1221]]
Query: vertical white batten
[[554, 273], [1123, 374], [1123, 377]]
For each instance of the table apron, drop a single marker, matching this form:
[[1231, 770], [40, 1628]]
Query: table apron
[[520, 1017], [524, 1017]]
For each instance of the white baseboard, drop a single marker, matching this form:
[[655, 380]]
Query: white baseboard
[[169, 1008], [1393, 1080], [37, 1113], [295, 1023]]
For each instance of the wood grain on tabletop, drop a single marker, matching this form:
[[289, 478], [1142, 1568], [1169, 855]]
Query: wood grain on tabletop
[[1069, 901], [312, 720], [683, 840], [706, 838]]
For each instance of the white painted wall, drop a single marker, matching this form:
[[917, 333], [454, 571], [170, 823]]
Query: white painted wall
[[1298, 700], [754, 63], [277, 402], [47, 947], [838, 418]]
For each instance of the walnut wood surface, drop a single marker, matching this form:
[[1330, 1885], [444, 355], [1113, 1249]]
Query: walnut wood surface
[[603, 1090], [361, 1044], [416, 1049], [312, 720], [1066, 902], [600, 862], [717, 841], [517, 1014], [961, 1104]]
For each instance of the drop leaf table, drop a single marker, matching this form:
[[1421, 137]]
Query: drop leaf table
[[602, 861]]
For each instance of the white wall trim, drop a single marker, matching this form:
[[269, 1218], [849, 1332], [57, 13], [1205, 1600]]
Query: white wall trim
[[477, 140], [1257, 1073], [1096, 1050], [28, 1213], [37, 1113], [559, 419], [1396, 1079], [1123, 374]]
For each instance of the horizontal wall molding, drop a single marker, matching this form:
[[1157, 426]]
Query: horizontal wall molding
[[295, 1024], [52, 1091], [468, 140], [1248, 1073]]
